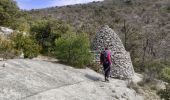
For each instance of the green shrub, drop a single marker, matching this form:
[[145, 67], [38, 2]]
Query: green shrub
[[21, 25], [46, 32], [74, 49], [5, 44], [26, 44], [128, 2], [165, 94], [136, 64], [30, 49], [8, 12], [141, 83], [6, 48], [153, 69], [168, 9], [165, 74]]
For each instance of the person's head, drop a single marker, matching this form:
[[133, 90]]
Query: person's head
[[106, 48]]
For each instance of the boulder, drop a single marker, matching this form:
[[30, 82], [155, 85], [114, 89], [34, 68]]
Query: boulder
[[5, 31]]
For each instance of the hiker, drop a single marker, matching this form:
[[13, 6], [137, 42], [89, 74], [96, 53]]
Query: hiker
[[105, 60]]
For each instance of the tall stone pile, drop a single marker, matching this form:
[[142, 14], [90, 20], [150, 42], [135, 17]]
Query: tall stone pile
[[122, 66]]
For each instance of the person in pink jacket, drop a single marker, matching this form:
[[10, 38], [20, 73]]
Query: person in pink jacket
[[105, 60]]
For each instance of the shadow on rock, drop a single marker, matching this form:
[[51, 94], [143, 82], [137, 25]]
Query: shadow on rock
[[91, 77]]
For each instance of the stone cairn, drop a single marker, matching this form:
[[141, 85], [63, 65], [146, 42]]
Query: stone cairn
[[121, 62]]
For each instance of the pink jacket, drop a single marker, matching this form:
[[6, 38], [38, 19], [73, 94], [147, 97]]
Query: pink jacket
[[108, 57]]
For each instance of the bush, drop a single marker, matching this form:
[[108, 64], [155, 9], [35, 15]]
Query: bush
[[6, 48], [8, 12], [26, 44], [168, 9], [165, 94], [165, 74], [136, 63], [21, 25], [153, 69], [46, 32], [74, 49], [5, 44]]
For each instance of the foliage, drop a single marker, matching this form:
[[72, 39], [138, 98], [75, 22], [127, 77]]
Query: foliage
[[145, 33], [136, 64], [153, 69], [25, 44], [12, 16], [21, 25], [8, 12], [165, 94], [128, 2], [6, 48], [165, 74], [74, 49], [168, 9], [46, 31], [5, 44]]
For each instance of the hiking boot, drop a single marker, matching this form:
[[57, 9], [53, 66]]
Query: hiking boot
[[106, 79]]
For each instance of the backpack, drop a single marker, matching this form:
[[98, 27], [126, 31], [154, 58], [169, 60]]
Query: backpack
[[103, 57]]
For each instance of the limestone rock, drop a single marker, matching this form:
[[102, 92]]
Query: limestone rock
[[25, 79], [122, 66], [5, 31]]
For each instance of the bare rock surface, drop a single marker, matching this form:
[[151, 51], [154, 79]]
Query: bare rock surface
[[5, 31], [24, 79]]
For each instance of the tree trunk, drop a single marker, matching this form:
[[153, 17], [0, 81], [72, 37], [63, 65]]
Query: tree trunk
[[125, 32], [143, 57]]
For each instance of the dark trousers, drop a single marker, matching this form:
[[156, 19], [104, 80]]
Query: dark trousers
[[106, 70]]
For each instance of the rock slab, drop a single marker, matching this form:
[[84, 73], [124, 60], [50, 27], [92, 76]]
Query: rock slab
[[24, 79]]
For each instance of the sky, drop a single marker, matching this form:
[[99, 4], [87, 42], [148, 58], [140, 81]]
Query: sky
[[36, 4]]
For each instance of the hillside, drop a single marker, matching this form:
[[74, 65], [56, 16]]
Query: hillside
[[75, 36], [25, 79], [90, 17], [143, 25]]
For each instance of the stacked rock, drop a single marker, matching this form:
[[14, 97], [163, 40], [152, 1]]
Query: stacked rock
[[122, 66]]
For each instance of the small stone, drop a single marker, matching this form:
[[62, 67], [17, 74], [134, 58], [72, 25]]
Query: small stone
[[113, 91]]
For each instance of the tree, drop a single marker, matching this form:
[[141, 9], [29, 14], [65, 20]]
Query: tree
[[74, 49], [129, 36], [47, 31], [25, 44], [21, 25], [8, 12]]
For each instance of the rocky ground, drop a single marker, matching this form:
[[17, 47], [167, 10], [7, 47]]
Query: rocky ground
[[24, 79]]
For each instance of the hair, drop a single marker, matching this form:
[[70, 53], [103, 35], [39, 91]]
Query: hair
[[106, 48]]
